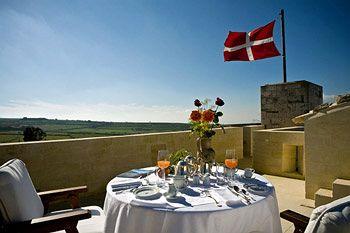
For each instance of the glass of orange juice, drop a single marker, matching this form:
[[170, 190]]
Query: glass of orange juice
[[231, 162], [163, 162]]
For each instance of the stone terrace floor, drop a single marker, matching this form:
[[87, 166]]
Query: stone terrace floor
[[291, 195]]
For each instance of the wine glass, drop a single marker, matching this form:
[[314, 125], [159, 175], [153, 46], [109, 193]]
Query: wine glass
[[231, 162], [163, 162]]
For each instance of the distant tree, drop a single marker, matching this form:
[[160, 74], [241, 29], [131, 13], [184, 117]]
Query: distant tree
[[33, 134]]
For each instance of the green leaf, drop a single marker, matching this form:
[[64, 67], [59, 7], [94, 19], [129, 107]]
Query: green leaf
[[219, 114]]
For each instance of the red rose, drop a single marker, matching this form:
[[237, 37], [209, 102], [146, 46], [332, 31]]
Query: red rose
[[195, 115], [208, 115], [197, 103], [219, 102]]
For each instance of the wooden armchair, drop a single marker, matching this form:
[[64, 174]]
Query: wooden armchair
[[332, 217], [71, 194], [300, 221], [24, 210]]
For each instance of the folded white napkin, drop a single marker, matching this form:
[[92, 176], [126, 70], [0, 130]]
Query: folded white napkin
[[217, 194], [197, 201], [234, 203], [152, 179], [227, 197], [126, 184]]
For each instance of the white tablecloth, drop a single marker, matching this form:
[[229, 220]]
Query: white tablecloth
[[125, 214]]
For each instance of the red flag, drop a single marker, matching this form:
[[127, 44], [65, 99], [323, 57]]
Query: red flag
[[254, 45]]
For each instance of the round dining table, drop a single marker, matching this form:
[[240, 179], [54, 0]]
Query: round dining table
[[193, 211]]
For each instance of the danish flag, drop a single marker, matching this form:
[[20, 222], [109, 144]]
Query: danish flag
[[254, 45]]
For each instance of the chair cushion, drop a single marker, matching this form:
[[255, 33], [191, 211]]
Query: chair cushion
[[333, 217], [95, 224], [19, 200]]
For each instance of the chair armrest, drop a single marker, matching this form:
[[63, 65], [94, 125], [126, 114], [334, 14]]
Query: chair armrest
[[56, 222], [71, 194], [62, 193], [300, 221]]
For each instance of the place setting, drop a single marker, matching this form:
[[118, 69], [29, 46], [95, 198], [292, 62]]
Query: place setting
[[252, 185]]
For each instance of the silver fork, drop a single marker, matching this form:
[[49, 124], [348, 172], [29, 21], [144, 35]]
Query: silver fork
[[245, 192], [208, 194]]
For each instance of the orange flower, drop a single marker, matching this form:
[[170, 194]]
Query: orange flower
[[208, 115], [195, 115]]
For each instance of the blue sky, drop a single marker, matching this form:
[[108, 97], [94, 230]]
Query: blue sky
[[148, 60]]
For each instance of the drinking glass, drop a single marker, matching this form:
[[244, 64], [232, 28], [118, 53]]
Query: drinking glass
[[231, 162], [220, 173], [163, 162]]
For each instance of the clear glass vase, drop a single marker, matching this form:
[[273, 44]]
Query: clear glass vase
[[205, 155]]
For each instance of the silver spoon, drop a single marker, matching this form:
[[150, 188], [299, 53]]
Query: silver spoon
[[207, 193], [238, 190], [245, 192]]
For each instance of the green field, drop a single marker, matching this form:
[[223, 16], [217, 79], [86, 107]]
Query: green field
[[11, 129]]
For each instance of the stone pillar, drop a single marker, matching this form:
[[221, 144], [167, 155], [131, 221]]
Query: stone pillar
[[283, 101]]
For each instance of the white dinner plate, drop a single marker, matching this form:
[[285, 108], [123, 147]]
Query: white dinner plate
[[147, 193], [257, 189]]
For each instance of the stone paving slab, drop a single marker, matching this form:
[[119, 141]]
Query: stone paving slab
[[290, 195]]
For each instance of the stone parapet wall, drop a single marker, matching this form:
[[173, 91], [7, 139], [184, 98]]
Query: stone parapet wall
[[248, 139], [327, 149], [247, 160], [95, 161], [275, 150]]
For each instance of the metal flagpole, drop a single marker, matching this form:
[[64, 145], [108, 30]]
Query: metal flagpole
[[283, 47]]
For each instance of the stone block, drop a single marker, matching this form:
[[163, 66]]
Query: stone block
[[341, 188], [323, 196]]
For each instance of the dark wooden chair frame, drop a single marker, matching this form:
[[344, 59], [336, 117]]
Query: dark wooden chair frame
[[300, 221], [67, 220]]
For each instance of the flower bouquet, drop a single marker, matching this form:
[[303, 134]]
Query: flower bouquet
[[203, 120]]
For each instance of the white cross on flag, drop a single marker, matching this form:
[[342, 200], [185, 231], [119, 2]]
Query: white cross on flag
[[254, 45]]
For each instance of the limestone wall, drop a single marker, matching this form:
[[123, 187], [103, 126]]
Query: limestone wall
[[279, 152], [284, 101], [248, 138], [247, 160], [95, 161], [327, 149]]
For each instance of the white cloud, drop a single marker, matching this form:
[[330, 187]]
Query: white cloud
[[329, 98], [98, 112], [117, 113]]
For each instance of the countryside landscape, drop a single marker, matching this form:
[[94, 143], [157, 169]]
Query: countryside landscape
[[11, 129]]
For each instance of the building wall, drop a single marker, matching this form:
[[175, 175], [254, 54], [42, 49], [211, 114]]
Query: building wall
[[275, 150], [284, 101], [327, 149], [95, 161]]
